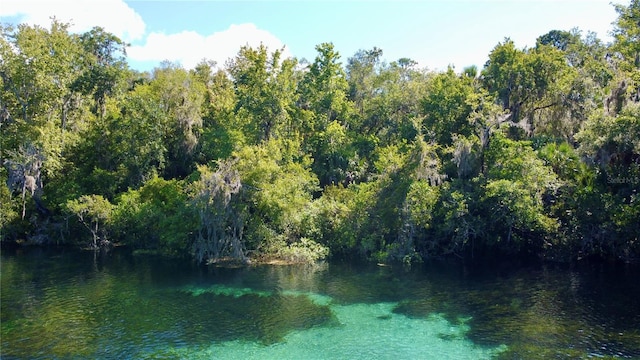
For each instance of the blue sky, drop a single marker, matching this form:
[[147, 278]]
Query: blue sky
[[436, 33]]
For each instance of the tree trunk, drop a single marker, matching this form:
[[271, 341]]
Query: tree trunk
[[94, 232]]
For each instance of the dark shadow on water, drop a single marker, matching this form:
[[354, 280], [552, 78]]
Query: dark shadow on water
[[542, 310]]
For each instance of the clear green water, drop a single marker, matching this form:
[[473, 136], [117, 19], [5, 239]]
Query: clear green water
[[74, 305]]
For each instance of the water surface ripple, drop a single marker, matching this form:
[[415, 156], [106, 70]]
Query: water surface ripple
[[63, 304]]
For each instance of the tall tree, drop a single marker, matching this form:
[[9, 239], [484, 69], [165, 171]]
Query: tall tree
[[125, 149], [323, 100], [180, 97], [626, 32], [392, 107], [362, 69], [222, 132], [37, 66], [104, 67], [580, 91], [323, 89], [265, 90], [446, 106], [526, 81]]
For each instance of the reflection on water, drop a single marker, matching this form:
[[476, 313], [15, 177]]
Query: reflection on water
[[67, 304]]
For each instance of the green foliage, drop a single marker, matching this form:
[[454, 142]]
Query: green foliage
[[626, 33], [446, 107], [8, 213], [517, 161], [95, 213], [565, 162], [333, 154], [421, 203], [387, 98], [155, 217], [515, 213], [265, 92], [302, 251], [345, 220], [459, 225], [613, 143], [325, 112], [103, 68], [527, 82], [536, 153], [178, 98], [37, 111], [279, 188], [38, 66], [390, 159], [559, 39], [222, 133], [366, 219], [517, 183], [323, 90], [127, 147]]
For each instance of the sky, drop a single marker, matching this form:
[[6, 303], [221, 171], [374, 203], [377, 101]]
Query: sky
[[435, 33]]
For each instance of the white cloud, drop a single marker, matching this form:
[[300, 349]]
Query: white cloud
[[115, 16], [189, 48]]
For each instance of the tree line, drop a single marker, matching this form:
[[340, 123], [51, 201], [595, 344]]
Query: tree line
[[536, 154]]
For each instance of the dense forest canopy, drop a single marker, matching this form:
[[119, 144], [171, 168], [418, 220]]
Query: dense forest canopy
[[535, 154]]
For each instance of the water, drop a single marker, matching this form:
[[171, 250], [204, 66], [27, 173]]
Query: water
[[62, 304]]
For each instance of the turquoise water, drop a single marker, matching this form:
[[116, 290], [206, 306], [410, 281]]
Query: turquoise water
[[66, 304]]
